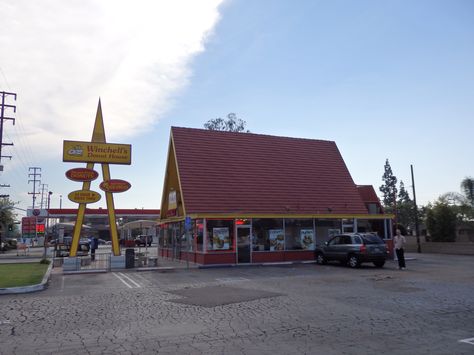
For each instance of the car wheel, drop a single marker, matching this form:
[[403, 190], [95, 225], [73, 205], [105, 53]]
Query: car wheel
[[320, 259], [353, 261], [379, 263]]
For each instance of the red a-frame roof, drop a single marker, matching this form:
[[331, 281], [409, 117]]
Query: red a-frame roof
[[227, 172]]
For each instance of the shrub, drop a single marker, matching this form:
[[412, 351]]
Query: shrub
[[441, 222]]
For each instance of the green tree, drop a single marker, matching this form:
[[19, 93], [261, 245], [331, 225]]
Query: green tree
[[441, 222], [405, 207], [231, 124], [467, 188], [389, 188], [460, 205], [7, 217]]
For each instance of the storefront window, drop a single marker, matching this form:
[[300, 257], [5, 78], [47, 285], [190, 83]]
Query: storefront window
[[161, 235], [165, 236], [372, 226], [220, 234], [347, 226], [326, 229], [299, 234], [198, 232], [268, 234]]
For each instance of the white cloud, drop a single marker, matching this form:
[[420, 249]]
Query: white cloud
[[60, 56]]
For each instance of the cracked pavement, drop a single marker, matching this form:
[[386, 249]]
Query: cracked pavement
[[295, 309]]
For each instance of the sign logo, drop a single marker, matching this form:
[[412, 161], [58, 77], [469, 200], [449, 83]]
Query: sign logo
[[82, 174], [36, 212], [92, 152], [115, 185], [77, 150], [84, 196]]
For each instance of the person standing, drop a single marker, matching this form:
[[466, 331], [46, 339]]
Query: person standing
[[94, 243], [399, 241]]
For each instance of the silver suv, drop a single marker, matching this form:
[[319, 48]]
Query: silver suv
[[353, 249]]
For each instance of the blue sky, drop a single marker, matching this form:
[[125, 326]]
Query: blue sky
[[383, 79]]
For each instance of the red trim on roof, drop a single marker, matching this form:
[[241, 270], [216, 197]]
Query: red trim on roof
[[103, 211], [228, 172]]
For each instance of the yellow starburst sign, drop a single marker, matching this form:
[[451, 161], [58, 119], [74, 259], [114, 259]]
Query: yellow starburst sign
[[95, 151]]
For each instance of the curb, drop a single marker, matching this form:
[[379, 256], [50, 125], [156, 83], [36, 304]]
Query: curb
[[277, 263], [95, 271], [32, 288], [156, 268]]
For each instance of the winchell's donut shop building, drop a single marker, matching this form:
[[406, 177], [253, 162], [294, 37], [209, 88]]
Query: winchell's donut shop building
[[240, 198]]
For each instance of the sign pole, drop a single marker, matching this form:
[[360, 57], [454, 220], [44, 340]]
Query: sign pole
[[86, 185], [111, 209]]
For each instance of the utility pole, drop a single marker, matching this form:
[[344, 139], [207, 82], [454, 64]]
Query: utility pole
[[43, 195], [3, 195], [3, 107], [35, 174], [416, 211]]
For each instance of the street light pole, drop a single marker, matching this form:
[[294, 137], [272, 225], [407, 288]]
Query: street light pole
[[49, 203], [46, 232], [416, 212]]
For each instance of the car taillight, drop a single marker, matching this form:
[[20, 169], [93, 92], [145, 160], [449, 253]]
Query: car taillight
[[362, 248]]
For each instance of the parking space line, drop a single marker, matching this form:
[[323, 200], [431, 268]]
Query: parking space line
[[467, 341], [123, 281], [232, 279], [144, 280], [131, 280]]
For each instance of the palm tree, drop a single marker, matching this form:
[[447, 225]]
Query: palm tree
[[467, 187]]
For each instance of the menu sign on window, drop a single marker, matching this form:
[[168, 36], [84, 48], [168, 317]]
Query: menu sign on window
[[220, 239], [277, 239], [307, 239]]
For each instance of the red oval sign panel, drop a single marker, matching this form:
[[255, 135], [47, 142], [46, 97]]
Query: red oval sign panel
[[82, 174], [115, 185]]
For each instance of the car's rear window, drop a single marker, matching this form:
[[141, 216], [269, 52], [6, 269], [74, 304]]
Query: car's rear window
[[372, 239]]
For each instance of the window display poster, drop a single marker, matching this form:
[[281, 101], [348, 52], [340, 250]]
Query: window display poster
[[220, 238], [277, 239], [307, 239]]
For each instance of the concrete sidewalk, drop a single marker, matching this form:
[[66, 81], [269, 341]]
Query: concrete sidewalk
[[13, 256]]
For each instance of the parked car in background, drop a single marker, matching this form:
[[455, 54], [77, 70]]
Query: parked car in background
[[143, 240], [8, 243], [353, 249]]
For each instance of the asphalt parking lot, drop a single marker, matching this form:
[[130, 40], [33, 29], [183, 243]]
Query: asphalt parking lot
[[292, 309]]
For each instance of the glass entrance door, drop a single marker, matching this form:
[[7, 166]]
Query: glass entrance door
[[243, 244]]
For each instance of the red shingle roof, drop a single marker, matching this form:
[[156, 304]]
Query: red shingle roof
[[367, 193], [226, 172]]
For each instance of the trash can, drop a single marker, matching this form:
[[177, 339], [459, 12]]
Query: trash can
[[129, 258]]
